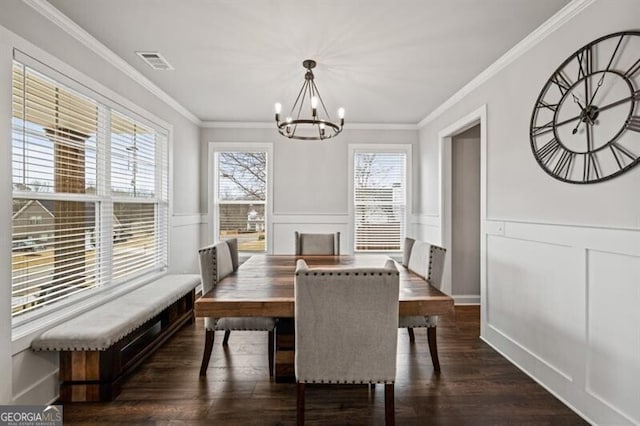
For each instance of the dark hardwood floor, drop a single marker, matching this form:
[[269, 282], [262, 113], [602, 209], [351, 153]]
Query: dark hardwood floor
[[476, 387]]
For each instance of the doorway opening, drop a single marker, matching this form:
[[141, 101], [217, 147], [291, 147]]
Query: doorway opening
[[465, 216], [463, 186]]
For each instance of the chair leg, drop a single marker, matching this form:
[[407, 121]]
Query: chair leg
[[271, 349], [389, 405], [300, 404], [225, 341], [433, 348], [412, 337], [208, 347]]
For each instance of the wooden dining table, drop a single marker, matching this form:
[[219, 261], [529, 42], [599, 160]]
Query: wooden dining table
[[263, 286]]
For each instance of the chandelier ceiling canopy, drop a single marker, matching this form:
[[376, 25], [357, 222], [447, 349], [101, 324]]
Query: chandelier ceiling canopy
[[317, 126]]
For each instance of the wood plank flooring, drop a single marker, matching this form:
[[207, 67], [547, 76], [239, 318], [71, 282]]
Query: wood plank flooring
[[476, 387]]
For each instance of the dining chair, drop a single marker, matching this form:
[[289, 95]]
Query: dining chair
[[317, 244], [346, 329], [216, 262], [427, 261]]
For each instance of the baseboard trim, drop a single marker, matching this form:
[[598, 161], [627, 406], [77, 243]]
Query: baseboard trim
[[466, 299], [535, 379]]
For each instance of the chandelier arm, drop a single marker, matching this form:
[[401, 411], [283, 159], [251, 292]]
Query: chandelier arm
[[321, 101], [306, 88], [298, 98]]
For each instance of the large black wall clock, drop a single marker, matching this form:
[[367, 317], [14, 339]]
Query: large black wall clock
[[585, 126]]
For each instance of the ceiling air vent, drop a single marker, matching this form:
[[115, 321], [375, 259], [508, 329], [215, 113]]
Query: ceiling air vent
[[155, 60]]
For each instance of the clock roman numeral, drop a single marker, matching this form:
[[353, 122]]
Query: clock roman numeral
[[548, 150], [619, 152], [591, 167], [585, 62], [562, 81], [613, 55], [633, 69], [563, 166], [541, 130], [552, 107], [634, 123]]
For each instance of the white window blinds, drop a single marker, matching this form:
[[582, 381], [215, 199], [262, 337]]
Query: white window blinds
[[379, 200], [70, 233], [138, 184], [241, 197]]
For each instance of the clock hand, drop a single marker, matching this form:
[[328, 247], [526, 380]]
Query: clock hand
[[586, 116], [635, 95], [575, 129], [577, 100], [597, 88]]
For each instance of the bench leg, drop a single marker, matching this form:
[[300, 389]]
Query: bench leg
[[225, 341], [300, 404], [208, 347], [433, 348]]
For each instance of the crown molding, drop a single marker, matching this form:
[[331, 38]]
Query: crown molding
[[47, 10], [549, 26], [237, 125], [271, 125]]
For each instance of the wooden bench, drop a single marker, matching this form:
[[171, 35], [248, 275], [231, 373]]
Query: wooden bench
[[100, 347]]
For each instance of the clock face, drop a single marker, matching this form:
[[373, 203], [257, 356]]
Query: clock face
[[585, 126]]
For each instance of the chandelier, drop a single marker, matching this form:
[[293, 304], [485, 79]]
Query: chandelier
[[319, 126]]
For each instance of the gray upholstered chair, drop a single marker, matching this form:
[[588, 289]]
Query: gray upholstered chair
[[216, 262], [317, 244], [346, 328], [426, 260]]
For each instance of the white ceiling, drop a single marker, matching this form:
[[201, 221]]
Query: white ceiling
[[383, 61]]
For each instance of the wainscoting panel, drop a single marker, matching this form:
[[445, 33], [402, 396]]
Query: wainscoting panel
[[184, 242], [285, 226], [427, 228], [562, 303], [613, 331], [35, 377], [531, 301]]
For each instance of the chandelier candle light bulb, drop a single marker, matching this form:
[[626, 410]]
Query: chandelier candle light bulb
[[288, 129], [317, 127]]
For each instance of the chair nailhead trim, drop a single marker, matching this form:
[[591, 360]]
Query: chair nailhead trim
[[364, 274]]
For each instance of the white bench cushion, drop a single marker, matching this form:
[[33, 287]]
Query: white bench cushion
[[99, 328]]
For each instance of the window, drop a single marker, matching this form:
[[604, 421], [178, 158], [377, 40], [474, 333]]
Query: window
[[240, 196], [380, 193], [90, 189]]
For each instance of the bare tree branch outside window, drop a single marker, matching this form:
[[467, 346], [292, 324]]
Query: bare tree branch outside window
[[241, 197]]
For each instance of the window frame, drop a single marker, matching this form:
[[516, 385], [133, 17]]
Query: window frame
[[107, 100], [372, 149], [212, 172]]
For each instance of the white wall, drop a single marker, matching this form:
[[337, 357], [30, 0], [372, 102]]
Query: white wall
[[310, 179], [562, 260], [31, 378]]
